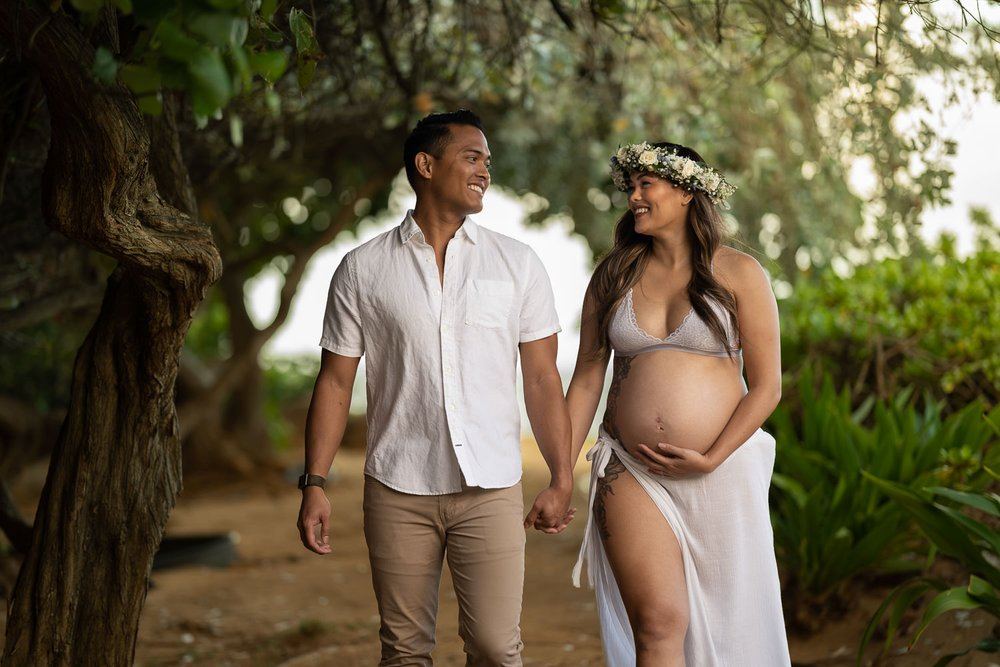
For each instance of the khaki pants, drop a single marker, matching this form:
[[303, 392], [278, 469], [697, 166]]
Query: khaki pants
[[482, 533]]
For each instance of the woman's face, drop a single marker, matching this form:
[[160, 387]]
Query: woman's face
[[657, 204]]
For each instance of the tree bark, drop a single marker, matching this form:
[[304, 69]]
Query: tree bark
[[116, 468], [243, 416]]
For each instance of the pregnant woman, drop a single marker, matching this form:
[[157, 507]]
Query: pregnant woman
[[679, 547]]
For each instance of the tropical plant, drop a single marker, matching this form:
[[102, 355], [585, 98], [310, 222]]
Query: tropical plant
[[830, 523], [945, 516]]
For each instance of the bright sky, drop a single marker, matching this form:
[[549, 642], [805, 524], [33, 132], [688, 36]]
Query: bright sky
[[976, 127]]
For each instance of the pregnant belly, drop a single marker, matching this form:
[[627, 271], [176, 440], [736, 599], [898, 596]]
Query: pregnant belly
[[675, 397]]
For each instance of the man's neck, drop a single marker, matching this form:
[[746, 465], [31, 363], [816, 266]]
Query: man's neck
[[438, 224]]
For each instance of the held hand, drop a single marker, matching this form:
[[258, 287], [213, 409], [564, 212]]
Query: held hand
[[551, 512], [673, 461], [314, 517]]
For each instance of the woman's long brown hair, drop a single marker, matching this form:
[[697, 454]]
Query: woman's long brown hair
[[624, 264]]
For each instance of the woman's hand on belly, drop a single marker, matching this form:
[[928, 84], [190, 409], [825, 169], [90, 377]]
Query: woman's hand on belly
[[672, 461]]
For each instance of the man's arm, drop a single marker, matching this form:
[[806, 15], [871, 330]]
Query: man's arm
[[325, 424], [546, 407]]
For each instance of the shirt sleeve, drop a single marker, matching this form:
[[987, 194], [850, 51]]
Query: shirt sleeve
[[538, 307], [342, 332]]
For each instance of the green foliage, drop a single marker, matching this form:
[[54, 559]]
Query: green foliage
[[925, 321], [105, 66], [37, 363], [287, 381], [830, 523], [210, 49], [783, 107], [783, 110], [306, 47], [208, 337], [946, 517], [290, 378]]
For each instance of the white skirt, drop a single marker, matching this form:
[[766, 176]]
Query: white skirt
[[723, 527]]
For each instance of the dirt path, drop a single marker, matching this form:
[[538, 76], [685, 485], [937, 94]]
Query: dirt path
[[282, 605]]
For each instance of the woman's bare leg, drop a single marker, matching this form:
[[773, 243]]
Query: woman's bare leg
[[646, 560]]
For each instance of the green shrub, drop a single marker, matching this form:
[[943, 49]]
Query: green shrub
[[930, 322], [830, 523]]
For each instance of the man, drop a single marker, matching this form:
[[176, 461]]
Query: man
[[441, 307]]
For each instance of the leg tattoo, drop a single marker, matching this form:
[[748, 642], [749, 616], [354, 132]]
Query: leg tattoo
[[611, 471]]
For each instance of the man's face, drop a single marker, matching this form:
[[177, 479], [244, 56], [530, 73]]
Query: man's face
[[460, 177]]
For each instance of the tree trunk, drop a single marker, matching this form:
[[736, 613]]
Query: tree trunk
[[243, 416], [112, 481], [116, 468]]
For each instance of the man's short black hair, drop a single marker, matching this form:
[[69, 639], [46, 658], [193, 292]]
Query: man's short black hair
[[431, 135]]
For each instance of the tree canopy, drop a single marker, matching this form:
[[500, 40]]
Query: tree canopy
[[292, 119]]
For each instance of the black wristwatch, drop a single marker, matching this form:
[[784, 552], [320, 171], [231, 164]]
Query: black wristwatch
[[312, 480]]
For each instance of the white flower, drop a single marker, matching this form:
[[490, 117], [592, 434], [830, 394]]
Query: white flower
[[622, 153], [647, 158], [712, 180], [688, 169]]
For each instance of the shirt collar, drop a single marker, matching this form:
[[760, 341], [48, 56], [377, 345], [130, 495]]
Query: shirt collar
[[470, 229], [409, 228]]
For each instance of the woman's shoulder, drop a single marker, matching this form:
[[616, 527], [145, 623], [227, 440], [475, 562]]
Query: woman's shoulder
[[735, 268]]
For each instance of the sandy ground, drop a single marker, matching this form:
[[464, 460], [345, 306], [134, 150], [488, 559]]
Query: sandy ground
[[282, 605]]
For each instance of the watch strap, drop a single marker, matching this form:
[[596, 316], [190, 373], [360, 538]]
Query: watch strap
[[309, 479]]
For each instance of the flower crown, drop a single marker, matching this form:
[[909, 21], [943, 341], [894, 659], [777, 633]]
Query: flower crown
[[665, 162]]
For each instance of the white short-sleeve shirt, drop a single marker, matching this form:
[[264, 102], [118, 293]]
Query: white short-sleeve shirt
[[441, 360]]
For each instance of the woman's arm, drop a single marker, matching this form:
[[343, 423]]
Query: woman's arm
[[757, 313], [584, 393]]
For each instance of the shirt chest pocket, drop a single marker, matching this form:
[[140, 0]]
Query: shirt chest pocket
[[488, 302]]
